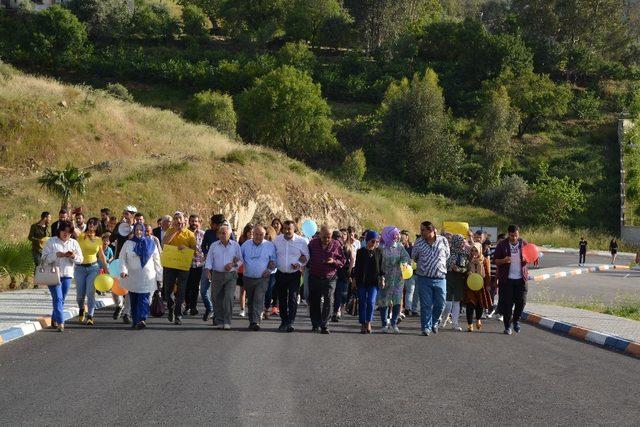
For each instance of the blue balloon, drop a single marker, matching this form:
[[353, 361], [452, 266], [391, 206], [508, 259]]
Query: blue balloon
[[309, 228], [115, 268]]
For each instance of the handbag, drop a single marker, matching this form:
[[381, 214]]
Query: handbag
[[47, 275], [157, 305]]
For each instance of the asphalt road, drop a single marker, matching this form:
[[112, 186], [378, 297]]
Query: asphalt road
[[195, 375], [606, 287], [552, 259]]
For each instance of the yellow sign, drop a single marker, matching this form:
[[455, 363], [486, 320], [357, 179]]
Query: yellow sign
[[172, 257], [456, 227]]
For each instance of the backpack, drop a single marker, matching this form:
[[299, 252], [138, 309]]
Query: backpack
[[157, 305]]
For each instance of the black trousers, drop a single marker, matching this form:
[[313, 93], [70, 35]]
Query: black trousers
[[512, 293], [170, 277], [321, 293], [193, 288], [582, 258], [288, 288], [470, 309]]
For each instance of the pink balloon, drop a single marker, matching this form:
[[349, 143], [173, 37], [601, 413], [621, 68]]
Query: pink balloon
[[530, 252]]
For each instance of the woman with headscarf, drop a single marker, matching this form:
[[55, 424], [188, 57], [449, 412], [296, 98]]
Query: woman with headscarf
[[457, 265], [393, 255], [368, 275], [476, 301], [140, 272]]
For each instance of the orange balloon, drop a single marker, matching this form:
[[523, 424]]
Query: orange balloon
[[117, 289], [530, 252]]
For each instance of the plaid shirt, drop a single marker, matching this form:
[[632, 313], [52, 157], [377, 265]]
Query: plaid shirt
[[198, 256]]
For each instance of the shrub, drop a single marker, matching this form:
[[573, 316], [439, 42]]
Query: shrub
[[587, 105], [154, 21], [119, 91], [195, 23], [15, 261], [285, 110], [105, 19], [297, 55], [554, 199], [214, 109], [353, 169], [509, 197]]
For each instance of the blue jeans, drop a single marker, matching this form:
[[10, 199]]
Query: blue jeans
[[58, 294], [205, 284], [85, 277], [268, 296], [340, 295], [411, 297], [139, 306], [384, 315], [366, 303], [432, 293]]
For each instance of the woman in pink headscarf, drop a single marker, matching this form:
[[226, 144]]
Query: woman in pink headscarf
[[393, 255]]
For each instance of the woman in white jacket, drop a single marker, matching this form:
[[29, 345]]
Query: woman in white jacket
[[63, 252], [141, 271]]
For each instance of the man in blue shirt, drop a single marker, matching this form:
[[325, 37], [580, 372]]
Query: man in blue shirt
[[259, 257]]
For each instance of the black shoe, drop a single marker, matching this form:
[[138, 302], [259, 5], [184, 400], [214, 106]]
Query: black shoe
[[170, 316], [126, 319], [193, 312], [426, 333], [516, 327], [177, 321], [206, 315], [134, 326], [407, 312], [185, 312], [315, 329], [117, 312], [142, 324], [290, 328], [434, 329], [334, 319], [256, 327], [282, 327], [325, 331]]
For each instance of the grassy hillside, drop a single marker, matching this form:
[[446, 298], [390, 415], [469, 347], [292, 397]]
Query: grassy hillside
[[155, 160]]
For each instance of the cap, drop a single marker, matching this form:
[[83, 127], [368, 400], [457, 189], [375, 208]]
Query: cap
[[131, 209]]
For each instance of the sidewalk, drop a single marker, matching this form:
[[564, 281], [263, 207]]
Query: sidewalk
[[572, 270], [575, 251], [602, 329], [26, 311]]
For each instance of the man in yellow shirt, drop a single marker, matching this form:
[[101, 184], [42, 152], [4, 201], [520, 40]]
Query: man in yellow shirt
[[180, 236]]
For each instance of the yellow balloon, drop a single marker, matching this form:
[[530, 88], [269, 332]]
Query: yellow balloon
[[407, 271], [475, 282], [103, 282], [414, 265]]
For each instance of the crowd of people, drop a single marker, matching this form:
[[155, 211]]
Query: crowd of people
[[277, 268]]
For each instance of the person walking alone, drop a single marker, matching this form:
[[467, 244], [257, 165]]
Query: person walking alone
[[582, 252], [512, 275], [430, 252]]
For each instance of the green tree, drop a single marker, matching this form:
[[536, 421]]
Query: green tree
[[297, 55], [210, 7], [499, 122], [415, 131], [537, 97], [15, 261], [51, 39], [105, 19], [214, 109], [553, 199], [195, 23], [64, 182], [509, 197], [153, 20], [353, 169], [255, 20], [306, 19], [285, 110]]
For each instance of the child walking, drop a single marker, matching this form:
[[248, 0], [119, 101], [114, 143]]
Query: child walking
[[476, 301]]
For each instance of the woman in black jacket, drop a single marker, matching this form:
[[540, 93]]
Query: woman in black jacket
[[369, 278]]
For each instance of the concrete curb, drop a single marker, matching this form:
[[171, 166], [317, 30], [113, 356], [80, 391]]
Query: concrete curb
[[623, 345], [575, 251], [576, 271], [27, 328]]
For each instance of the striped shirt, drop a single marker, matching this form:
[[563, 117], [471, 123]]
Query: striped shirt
[[431, 259]]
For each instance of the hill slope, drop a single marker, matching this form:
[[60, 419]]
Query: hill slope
[[153, 159]]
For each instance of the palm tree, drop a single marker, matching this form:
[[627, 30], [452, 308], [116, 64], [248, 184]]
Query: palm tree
[[15, 261], [64, 182]]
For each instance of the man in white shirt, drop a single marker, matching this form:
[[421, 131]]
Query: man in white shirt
[[221, 267], [292, 254], [259, 256]]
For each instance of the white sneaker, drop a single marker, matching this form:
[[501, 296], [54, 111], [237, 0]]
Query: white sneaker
[[242, 313], [385, 329], [444, 322], [396, 330], [457, 328], [226, 326], [402, 316], [500, 318]]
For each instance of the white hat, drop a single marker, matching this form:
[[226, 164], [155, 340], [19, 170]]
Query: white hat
[[131, 209]]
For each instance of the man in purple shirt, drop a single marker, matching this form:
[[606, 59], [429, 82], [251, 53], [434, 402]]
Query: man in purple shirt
[[325, 258]]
